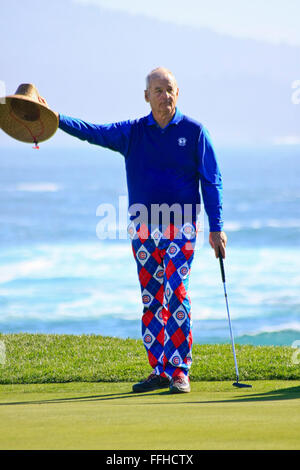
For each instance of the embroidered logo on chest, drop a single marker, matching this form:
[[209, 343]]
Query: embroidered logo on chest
[[182, 141]]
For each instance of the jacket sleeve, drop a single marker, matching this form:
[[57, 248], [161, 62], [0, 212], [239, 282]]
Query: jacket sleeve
[[211, 181], [114, 136]]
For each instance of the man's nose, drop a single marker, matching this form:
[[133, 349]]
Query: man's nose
[[165, 95]]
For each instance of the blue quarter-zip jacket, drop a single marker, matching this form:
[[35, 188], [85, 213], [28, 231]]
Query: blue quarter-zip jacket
[[163, 165]]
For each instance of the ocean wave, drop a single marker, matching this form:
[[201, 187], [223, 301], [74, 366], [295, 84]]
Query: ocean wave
[[13, 271], [274, 338], [234, 226], [46, 285], [288, 326], [42, 187]]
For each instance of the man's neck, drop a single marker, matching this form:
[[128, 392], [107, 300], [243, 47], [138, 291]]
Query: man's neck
[[163, 119]]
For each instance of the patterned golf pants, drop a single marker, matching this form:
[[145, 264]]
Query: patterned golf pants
[[164, 259]]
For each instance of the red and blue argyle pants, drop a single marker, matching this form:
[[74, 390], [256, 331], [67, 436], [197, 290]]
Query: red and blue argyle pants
[[164, 259]]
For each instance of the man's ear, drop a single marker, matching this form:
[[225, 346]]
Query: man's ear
[[146, 96]]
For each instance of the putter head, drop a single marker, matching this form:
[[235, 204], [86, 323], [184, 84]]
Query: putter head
[[239, 385]]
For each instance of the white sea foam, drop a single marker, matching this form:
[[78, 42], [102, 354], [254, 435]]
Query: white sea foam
[[282, 327], [42, 187], [256, 224], [24, 269], [88, 281], [294, 326], [101, 302]]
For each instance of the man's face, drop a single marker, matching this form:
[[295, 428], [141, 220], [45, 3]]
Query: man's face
[[162, 94]]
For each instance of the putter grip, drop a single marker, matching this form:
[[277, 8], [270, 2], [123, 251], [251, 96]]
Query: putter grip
[[222, 266]]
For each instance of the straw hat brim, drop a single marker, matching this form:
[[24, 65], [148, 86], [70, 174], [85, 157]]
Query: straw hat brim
[[40, 124]]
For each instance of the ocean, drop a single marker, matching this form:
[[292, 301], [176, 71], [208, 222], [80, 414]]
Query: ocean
[[57, 276]]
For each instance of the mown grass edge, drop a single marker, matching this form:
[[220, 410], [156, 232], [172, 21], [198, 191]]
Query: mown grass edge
[[55, 358]]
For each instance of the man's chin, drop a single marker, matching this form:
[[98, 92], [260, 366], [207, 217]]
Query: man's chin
[[167, 108]]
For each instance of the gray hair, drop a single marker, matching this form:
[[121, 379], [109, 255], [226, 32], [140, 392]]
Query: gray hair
[[157, 71]]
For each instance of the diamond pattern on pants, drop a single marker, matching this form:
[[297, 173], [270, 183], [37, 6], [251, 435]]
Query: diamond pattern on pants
[[188, 230], [148, 338], [164, 267], [180, 315], [167, 337], [147, 317], [188, 358], [170, 269], [188, 249], [160, 294], [183, 271], [173, 250], [143, 233], [161, 336], [175, 359], [146, 297], [159, 274], [131, 230], [168, 292], [180, 292], [156, 236], [170, 232], [159, 315], [144, 277], [178, 338], [142, 255]]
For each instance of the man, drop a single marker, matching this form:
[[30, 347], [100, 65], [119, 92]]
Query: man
[[166, 155]]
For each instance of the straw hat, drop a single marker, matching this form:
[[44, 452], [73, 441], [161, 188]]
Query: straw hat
[[26, 116]]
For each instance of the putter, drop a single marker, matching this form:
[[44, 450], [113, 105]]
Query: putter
[[237, 383]]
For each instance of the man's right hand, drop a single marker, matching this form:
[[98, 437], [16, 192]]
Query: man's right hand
[[44, 102], [218, 241]]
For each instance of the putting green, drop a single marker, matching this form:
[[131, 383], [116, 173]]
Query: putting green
[[214, 415]]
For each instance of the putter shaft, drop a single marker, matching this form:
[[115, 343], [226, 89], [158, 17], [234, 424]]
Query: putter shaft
[[228, 315], [236, 384]]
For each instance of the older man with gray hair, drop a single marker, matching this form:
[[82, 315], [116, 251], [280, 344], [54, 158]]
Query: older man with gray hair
[[167, 157]]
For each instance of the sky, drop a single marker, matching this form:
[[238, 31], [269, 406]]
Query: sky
[[235, 61], [272, 21]]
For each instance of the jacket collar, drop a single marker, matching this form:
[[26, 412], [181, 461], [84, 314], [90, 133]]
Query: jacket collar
[[175, 120]]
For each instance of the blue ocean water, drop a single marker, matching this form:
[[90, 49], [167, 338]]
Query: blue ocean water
[[57, 276]]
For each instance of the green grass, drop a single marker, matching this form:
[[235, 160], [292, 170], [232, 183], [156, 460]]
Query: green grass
[[108, 416], [41, 358], [74, 392]]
